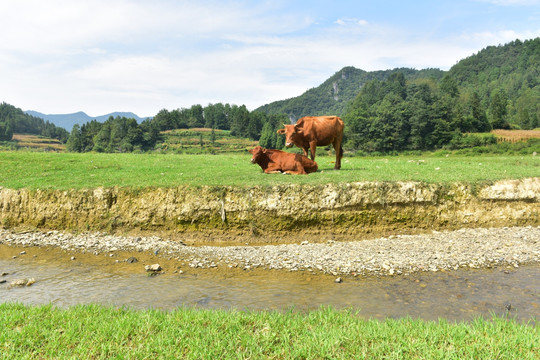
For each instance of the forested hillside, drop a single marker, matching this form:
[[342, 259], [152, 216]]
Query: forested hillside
[[508, 75], [498, 88], [505, 76], [333, 96], [14, 120]]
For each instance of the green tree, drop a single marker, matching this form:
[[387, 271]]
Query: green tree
[[215, 116], [479, 121], [213, 136], [8, 133], [499, 110], [449, 86], [102, 138], [75, 140], [268, 136], [239, 120], [196, 117]]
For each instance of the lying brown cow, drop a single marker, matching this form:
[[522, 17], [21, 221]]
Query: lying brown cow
[[312, 131], [277, 161]]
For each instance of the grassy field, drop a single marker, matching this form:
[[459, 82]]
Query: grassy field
[[96, 332], [515, 135], [38, 142], [33, 170], [199, 141]]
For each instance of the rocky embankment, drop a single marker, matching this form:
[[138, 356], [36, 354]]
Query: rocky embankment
[[394, 255], [348, 209], [334, 228]]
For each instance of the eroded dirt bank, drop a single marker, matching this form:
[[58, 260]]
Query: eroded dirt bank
[[272, 214]]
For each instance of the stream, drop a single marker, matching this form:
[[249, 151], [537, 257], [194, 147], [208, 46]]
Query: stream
[[65, 279]]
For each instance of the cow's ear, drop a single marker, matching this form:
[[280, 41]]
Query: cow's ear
[[264, 150], [281, 131]]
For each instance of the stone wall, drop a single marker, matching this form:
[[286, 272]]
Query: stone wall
[[360, 207]]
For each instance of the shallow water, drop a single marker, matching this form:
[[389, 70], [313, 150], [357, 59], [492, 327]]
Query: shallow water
[[454, 295]]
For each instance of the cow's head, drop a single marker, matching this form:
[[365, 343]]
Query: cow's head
[[293, 134], [257, 152]]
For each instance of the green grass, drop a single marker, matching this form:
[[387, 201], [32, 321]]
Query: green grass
[[33, 170], [97, 332]]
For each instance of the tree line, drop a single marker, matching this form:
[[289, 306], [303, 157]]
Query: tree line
[[424, 114], [116, 134], [14, 120], [122, 134]]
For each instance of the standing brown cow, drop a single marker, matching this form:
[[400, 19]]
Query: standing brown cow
[[277, 161], [312, 131]]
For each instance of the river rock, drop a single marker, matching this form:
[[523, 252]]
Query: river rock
[[22, 282], [153, 268]]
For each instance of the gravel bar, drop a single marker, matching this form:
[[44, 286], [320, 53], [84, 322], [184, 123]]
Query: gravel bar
[[394, 255]]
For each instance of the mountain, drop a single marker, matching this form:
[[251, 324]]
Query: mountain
[[68, 120], [333, 95], [512, 71]]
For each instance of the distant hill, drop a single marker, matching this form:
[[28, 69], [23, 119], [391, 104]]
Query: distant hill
[[68, 120], [333, 95], [14, 120]]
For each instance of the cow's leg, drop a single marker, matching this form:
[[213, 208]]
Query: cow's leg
[[270, 171], [339, 153], [295, 172], [305, 149], [313, 148]]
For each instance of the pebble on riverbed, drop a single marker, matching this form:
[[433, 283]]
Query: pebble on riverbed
[[22, 282], [153, 268], [507, 247]]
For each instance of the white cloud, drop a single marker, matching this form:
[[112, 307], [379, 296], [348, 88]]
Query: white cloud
[[107, 55], [482, 39], [351, 21]]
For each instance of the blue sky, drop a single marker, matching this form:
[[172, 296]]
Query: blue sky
[[101, 56]]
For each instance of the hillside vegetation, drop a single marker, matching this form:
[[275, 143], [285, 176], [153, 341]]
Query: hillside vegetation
[[507, 74], [14, 120], [333, 96]]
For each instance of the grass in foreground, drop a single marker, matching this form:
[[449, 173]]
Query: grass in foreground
[[38, 170], [99, 332]]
